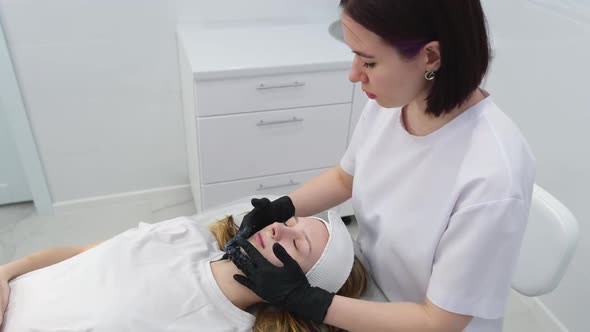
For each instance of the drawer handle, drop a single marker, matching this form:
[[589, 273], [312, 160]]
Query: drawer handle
[[269, 123], [295, 84], [263, 187]]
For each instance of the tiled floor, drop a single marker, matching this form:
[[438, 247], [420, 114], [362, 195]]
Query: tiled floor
[[22, 232]]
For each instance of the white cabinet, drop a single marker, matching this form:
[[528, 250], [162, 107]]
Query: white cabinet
[[223, 192], [272, 92], [272, 142], [270, 117]]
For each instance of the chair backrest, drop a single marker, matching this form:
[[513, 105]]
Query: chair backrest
[[548, 246]]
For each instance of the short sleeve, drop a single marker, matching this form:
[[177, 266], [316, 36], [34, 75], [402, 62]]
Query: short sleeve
[[476, 257]]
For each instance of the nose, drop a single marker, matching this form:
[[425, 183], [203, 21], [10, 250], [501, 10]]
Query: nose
[[356, 71], [279, 231]]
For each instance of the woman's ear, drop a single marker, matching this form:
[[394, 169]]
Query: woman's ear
[[432, 56]]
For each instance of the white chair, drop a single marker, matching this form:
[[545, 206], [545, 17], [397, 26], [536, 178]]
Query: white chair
[[548, 246]]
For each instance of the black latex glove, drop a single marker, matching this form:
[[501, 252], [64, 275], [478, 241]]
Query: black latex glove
[[285, 287], [263, 214]]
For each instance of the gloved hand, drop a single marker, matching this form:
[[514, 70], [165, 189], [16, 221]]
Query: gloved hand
[[285, 287], [264, 213]]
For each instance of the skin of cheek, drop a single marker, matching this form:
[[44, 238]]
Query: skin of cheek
[[395, 85], [269, 254]]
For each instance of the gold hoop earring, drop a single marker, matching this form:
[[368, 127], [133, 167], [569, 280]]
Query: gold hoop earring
[[430, 75]]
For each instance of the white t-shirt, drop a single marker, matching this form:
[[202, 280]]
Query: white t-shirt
[[155, 277], [442, 216]]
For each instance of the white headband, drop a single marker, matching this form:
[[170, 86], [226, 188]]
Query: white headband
[[334, 265]]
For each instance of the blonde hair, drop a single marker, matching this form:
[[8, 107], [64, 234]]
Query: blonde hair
[[269, 318]]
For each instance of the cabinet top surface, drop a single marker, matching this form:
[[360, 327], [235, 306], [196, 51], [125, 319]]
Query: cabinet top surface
[[250, 50]]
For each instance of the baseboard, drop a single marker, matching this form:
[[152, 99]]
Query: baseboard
[[543, 315], [164, 196]]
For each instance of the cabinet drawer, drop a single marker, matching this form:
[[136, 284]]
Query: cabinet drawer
[[220, 193], [272, 92], [265, 143]]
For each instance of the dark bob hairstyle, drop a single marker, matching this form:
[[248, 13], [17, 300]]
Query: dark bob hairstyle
[[458, 25]]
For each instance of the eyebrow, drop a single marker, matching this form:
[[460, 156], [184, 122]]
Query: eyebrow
[[364, 55], [306, 236]]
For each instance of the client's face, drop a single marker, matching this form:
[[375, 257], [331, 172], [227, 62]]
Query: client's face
[[303, 238]]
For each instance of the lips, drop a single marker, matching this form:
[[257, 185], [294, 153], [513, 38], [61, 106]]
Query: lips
[[370, 95], [259, 240]]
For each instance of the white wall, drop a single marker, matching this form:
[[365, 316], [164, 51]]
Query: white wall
[[540, 77], [100, 82]]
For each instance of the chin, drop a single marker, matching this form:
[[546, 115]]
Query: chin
[[384, 104], [254, 243], [388, 104]]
